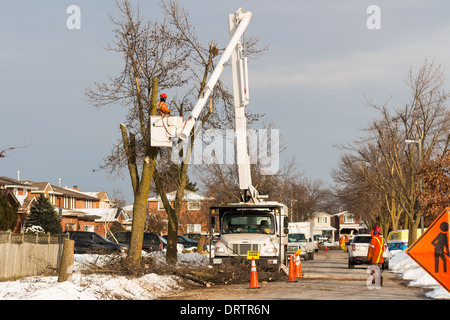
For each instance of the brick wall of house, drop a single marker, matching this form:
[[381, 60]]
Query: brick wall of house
[[187, 215]]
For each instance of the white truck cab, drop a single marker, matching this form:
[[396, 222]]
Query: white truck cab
[[258, 230]]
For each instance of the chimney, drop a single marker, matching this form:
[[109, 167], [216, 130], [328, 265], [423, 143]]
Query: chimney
[[75, 187], [59, 180], [18, 175]]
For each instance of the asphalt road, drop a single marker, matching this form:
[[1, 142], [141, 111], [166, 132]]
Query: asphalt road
[[327, 277]]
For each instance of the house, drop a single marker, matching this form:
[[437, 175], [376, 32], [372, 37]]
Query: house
[[22, 192], [347, 224], [77, 210], [322, 224], [127, 214], [194, 215], [103, 221], [68, 203]]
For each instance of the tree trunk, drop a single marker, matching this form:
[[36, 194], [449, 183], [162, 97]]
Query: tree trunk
[[201, 243], [172, 234], [140, 210], [413, 226], [66, 266], [172, 226], [141, 187]]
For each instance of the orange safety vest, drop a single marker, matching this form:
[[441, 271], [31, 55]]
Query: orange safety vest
[[161, 109], [376, 248]]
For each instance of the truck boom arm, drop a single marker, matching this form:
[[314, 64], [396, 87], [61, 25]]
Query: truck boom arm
[[244, 20], [238, 22]]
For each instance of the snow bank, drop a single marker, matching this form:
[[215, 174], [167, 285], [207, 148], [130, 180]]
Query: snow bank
[[401, 263], [94, 286], [151, 286], [88, 287]]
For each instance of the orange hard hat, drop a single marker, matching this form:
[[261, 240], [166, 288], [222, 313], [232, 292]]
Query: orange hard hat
[[163, 95]]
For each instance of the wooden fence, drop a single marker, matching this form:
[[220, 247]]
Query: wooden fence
[[28, 254]]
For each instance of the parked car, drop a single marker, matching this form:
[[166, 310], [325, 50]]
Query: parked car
[[398, 240], [91, 242], [358, 248], [152, 241], [180, 247], [185, 242], [194, 235]]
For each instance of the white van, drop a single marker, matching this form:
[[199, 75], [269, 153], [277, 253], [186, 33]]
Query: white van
[[301, 237]]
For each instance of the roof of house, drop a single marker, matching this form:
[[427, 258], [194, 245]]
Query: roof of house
[[341, 213], [74, 193], [99, 215], [8, 193], [188, 196], [13, 183], [321, 212]]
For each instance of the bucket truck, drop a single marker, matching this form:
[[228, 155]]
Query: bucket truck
[[253, 227]]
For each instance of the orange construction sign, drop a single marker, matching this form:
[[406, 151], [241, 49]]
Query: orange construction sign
[[431, 250]]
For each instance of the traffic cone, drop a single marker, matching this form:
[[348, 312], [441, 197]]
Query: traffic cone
[[292, 277], [296, 268], [254, 276], [326, 248], [299, 267]]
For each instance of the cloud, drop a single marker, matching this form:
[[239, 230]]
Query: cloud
[[388, 65]]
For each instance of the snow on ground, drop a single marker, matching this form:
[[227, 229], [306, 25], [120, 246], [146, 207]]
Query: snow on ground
[[151, 286], [401, 263], [96, 286]]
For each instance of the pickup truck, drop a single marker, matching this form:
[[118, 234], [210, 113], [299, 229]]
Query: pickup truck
[[358, 248]]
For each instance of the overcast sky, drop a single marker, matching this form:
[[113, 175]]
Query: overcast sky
[[322, 60]]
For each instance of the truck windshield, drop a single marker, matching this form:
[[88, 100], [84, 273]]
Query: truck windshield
[[296, 237], [248, 222]]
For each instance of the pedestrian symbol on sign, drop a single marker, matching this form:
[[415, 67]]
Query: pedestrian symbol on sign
[[440, 244], [431, 250]]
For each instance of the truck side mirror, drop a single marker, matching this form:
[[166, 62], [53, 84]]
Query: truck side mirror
[[286, 230]]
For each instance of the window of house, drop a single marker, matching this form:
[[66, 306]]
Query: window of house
[[88, 228], [322, 219], [194, 205], [160, 206], [349, 219]]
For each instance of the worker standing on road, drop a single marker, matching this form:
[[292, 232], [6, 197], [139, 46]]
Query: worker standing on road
[[375, 255], [161, 108]]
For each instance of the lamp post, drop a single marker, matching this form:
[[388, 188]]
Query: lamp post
[[419, 142]]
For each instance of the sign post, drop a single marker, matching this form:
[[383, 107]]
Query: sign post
[[431, 250]]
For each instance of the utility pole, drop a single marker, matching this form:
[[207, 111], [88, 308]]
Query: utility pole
[[420, 144]]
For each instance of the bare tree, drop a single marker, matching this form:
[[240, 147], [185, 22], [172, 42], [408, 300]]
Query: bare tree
[[217, 115], [386, 160], [153, 57], [157, 56], [435, 194]]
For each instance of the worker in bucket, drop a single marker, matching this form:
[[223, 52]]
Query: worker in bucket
[[161, 108]]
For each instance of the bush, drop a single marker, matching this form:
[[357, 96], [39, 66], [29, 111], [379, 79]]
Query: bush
[[42, 214]]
